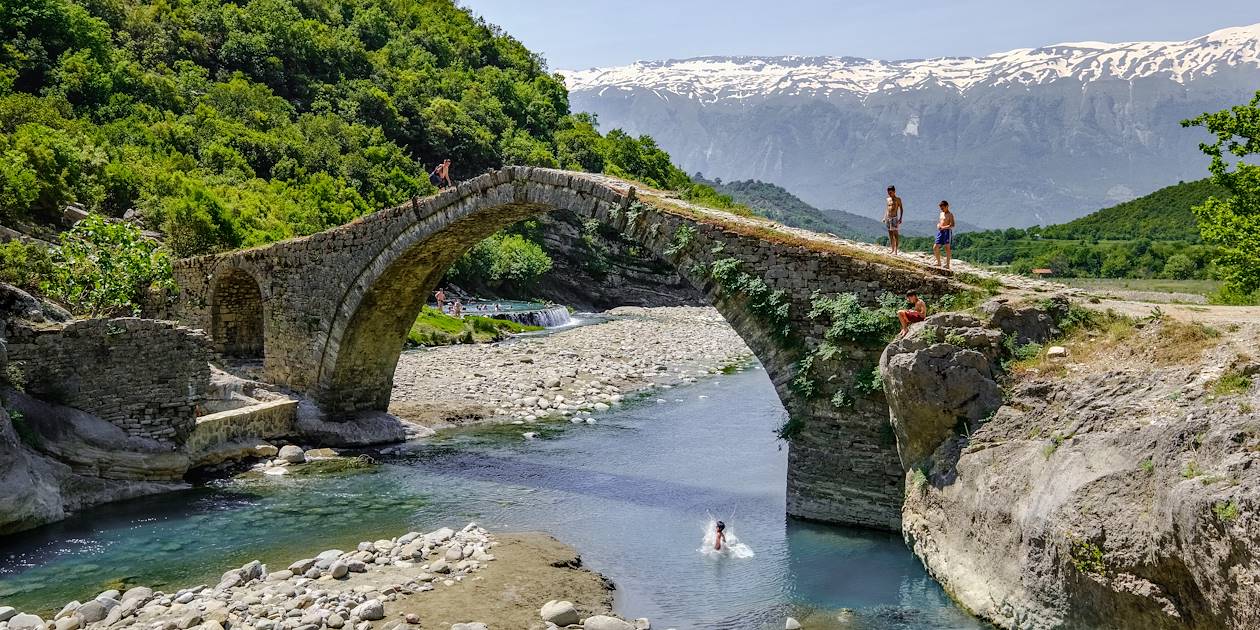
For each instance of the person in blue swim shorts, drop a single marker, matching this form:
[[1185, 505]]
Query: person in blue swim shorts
[[944, 235]]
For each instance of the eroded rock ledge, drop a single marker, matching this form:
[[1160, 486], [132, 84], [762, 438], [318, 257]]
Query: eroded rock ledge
[[1114, 486]]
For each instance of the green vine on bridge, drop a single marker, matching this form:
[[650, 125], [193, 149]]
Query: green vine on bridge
[[771, 306]]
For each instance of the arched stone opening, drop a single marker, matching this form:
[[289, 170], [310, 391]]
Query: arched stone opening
[[236, 311]]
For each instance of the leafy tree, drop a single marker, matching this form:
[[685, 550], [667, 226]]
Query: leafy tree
[[1233, 223], [105, 268]]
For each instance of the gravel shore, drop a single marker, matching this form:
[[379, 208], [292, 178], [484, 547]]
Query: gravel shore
[[572, 373], [463, 579]]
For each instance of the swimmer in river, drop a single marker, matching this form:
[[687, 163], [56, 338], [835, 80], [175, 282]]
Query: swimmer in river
[[721, 536]]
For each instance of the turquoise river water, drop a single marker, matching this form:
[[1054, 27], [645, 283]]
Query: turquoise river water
[[632, 493]]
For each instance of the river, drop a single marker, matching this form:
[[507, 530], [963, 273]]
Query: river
[[631, 493]]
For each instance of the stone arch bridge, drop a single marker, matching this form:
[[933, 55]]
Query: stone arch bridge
[[328, 313]]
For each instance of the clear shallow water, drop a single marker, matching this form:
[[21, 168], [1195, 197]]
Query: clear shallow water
[[633, 494]]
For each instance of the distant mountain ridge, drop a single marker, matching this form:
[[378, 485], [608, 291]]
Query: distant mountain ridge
[[1019, 138], [775, 202]]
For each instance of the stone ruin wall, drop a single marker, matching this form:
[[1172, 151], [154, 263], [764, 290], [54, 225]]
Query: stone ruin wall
[[145, 376]]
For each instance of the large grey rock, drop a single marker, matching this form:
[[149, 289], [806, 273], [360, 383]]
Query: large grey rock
[[92, 611], [604, 622], [18, 304], [302, 566], [1112, 495], [142, 593], [26, 621], [338, 569], [476, 625], [371, 610], [7, 613], [292, 454], [559, 612], [1027, 323], [929, 390]]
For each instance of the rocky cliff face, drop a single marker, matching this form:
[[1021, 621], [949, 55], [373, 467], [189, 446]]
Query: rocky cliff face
[[55, 459], [1115, 487]]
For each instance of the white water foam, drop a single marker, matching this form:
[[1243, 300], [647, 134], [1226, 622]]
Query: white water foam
[[733, 548]]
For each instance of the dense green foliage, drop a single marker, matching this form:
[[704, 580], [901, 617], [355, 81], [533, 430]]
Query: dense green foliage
[[1149, 237], [503, 258], [1233, 222], [99, 268], [232, 123]]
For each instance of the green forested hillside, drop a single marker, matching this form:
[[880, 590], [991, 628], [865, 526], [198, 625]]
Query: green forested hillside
[[1163, 215], [230, 123], [775, 202], [1154, 236], [235, 123]]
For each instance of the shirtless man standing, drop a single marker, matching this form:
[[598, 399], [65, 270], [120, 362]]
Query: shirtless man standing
[[893, 215], [944, 235]]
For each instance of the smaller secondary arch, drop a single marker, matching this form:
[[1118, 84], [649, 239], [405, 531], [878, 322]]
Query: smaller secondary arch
[[236, 315]]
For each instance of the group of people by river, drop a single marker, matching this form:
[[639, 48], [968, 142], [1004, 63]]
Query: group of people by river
[[894, 215]]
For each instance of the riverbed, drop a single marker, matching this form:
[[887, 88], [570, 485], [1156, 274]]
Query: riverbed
[[631, 492]]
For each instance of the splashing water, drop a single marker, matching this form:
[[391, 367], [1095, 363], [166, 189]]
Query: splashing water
[[732, 548]]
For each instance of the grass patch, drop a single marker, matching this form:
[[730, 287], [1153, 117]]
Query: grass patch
[[918, 480], [1227, 511], [24, 430], [1191, 470], [1230, 383], [434, 328], [1056, 441], [1147, 466], [1087, 558], [1182, 342], [335, 466], [988, 284]]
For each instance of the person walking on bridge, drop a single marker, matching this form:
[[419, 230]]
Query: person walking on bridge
[[441, 175], [894, 212]]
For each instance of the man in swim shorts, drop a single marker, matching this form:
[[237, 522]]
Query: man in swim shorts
[[916, 313], [894, 212], [944, 235]]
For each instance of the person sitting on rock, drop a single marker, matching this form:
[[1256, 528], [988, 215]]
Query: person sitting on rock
[[916, 313]]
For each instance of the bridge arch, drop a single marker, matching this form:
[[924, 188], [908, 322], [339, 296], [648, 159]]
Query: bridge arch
[[237, 327], [341, 302]]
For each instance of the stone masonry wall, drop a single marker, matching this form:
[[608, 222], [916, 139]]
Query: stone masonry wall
[[144, 376], [337, 304], [258, 422]]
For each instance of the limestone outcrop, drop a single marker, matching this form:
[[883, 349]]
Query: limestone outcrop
[[37, 488], [1115, 486]]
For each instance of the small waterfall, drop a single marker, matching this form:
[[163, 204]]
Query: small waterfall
[[548, 317]]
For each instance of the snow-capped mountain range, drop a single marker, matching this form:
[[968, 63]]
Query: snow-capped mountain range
[[709, 79], [1036, 135]]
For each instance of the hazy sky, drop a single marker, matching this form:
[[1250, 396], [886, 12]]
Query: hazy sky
[[584, 33]]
